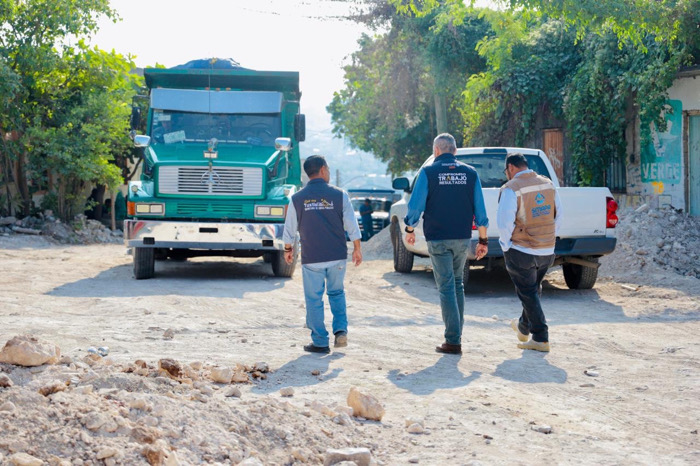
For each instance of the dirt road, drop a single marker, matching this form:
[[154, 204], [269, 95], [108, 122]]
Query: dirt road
[[638, 404]]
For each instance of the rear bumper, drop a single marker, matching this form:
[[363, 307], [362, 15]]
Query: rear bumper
[[564, 247], [201, 235]]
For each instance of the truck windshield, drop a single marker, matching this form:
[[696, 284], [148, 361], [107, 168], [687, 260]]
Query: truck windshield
[[490, 167], [170, 127]]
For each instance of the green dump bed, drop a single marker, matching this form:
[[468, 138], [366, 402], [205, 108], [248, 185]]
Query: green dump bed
[[233, 79]]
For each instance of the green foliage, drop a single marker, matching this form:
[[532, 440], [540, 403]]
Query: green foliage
[[391, 85], [70, 103], [609, 78]]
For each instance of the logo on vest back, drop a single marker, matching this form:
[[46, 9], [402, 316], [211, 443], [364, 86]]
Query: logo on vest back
[[313, 204], [542, 210], [447, 179], [539, 199]]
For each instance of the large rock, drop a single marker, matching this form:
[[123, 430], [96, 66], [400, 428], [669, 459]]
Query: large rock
[[365, 405], [26, 350], [24, 459], [221, 374], [359, 456]]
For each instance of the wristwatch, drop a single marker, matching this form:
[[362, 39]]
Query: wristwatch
[[406, 229]]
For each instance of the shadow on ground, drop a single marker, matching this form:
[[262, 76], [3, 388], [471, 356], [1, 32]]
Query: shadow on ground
[[300, 372], [444, 374], [210, 278], [531, 367]]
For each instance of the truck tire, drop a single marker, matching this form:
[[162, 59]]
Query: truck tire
[[144, 263], [403, 258], [280, 267], [579, 277]]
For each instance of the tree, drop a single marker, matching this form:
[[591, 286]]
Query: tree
[[403, 86], [70, 103]]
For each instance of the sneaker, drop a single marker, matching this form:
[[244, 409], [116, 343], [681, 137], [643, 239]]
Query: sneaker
[[447, 348], [535, 345], [514, 325], [341, 340], [316, 349]]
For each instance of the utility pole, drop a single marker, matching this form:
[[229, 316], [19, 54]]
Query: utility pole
[[337, 177]]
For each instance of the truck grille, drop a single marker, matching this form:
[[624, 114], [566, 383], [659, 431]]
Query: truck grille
[[221, 181], [207, 209]]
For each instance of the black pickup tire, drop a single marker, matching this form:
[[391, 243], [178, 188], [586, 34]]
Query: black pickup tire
[[579, 277], [403, 258], [144, 263], [280, 267]]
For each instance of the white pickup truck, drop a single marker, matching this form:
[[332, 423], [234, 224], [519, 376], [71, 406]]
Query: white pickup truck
[[587, 230]]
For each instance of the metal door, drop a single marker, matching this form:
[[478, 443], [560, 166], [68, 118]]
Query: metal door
[[554, 148], [694, 164]]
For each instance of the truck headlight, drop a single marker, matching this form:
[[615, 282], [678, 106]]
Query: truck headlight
[[270, 211], [150, 209]]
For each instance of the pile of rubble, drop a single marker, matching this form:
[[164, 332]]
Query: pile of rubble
[[93, 410], [655, 240], [81, 231]]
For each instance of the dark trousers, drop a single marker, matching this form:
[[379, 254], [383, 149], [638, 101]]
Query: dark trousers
[[527, 271]]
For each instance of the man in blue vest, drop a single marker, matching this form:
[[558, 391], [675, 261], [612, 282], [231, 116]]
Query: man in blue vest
[[322, 214], [448, 194]]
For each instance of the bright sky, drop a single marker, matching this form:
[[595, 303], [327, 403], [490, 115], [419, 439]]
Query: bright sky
[[281, 35], [308, 36]]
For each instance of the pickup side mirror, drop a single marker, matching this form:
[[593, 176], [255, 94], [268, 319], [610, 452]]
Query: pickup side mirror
[[300, 127], [401, 183], [141, 140]]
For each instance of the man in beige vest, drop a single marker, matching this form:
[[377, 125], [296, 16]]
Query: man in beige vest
[[529, 212]]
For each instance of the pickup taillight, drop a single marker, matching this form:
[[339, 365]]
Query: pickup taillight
[[611, 208]]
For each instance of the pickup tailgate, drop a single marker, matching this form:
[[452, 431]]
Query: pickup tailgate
[[583, 211]]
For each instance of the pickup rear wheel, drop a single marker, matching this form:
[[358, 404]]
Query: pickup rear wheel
[[403, 258], [280, 267], [144, 263], [579, 277]]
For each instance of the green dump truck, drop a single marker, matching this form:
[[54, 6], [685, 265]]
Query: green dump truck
[[220, 163]]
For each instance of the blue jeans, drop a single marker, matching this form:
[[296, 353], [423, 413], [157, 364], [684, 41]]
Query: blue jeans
[[316, 279], [448, 257], [527, 272]]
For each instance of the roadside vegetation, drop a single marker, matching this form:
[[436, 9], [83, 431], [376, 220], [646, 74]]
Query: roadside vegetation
[[486, 75], [64, 106]]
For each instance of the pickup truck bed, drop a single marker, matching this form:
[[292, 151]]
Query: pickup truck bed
[[587, 224]]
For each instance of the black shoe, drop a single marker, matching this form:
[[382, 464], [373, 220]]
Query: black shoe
[[447, 348], [316, 349]]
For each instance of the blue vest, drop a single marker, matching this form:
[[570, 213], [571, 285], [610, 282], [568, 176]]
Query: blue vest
[[319, 209], [449, 207]]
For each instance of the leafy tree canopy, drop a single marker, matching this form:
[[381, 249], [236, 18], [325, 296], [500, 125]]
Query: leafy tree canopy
[[67, 104]]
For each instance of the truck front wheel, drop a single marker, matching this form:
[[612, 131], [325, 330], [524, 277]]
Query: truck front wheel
[[580, 277], [144, 263], [403, 258], [280, 267]]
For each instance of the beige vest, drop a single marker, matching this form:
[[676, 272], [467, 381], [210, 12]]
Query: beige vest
[[534, 218]]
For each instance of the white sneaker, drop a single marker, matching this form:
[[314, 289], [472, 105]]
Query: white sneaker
[[514, 326], [535, 345]]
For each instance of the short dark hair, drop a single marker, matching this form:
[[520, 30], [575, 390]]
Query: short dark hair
[[517, 160], [314, 164]]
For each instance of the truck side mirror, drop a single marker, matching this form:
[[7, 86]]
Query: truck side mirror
[[135, 120], [141, 140], [300, 127], [283, 144], [401, 183]]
